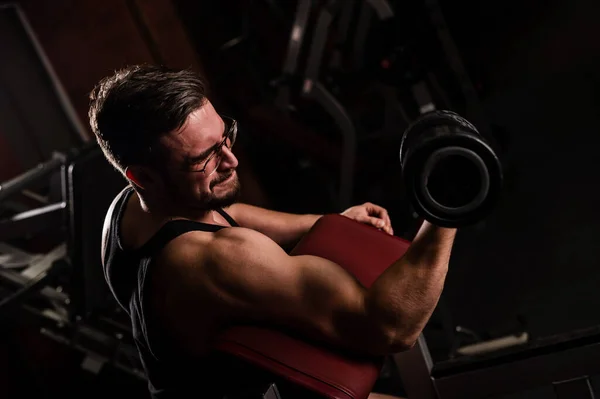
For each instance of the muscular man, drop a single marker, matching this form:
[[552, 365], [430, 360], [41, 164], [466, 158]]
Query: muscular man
[[185, 260]]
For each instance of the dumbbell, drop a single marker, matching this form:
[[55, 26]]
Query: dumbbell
[[452, 175]]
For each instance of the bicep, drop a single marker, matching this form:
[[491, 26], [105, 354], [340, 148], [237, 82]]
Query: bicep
[[256, 281]]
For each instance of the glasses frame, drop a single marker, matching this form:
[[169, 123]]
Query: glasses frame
[[231, 134]]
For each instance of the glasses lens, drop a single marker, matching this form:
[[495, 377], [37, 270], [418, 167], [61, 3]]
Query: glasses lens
[[233, 134], [213, 164]]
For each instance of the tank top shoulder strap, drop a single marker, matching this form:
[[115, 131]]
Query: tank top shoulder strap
[[229, 219], [172, 230]]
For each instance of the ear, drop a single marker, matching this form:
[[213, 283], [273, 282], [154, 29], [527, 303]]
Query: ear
[[139, 176]]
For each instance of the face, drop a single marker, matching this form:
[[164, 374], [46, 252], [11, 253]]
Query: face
[[186, 185]]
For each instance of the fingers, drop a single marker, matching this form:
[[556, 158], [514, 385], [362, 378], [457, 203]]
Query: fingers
[[381, 213], [371, 214], [376, 210], [378, 223]]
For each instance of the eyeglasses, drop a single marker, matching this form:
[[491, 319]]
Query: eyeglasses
[[214, 159]]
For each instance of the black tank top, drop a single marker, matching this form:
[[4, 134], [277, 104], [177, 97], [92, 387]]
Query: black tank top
[[171, 372]]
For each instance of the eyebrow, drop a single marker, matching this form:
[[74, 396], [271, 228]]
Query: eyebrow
[[194, 159]]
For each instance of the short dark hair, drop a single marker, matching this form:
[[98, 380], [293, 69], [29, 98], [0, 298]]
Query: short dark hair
[[131, 109]]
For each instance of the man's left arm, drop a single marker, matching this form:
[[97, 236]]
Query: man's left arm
[[287, 229]]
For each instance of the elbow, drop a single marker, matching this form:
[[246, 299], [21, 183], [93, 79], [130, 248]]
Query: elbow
[[386, 342], [394, 331], [403, 345], [400, 342]]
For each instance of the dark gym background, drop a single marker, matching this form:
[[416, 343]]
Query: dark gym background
[[532, 265]]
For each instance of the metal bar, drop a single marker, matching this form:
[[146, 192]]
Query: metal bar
[[318, 41], [11, 303], [29, 222], [297, 36], [17, 280], [345, 20], [272, 393], [13, 257], [414, 367], [423, 97], [291, 60], [122, 352], [360, 37], [516, 374], [382, 8], [322, 96], [314, 89], [63, 97], [579, 388], [45, 263], [40, 274], [30, 177]]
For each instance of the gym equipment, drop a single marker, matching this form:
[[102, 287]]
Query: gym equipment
[[474, 110], [312, 88], [63, 289], [383, 11], [32, 220], [283, 83], [87, 209], [316, 88], [36, 116], [452, 175], [322, 371], [25, 180], [562, 366], [49, 252], [42, 271]]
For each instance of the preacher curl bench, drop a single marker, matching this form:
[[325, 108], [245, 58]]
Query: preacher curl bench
[[315, 370]]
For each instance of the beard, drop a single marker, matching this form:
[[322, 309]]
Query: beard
[[206, 202], [212, 202]]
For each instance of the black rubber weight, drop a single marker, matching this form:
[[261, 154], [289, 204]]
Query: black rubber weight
[[434, 119], [438, 130]]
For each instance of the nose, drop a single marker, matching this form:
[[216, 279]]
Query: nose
[[228, 159]]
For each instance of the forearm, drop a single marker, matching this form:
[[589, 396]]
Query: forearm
[[285, 229], [403, 298]]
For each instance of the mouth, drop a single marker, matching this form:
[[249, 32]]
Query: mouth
[[228, 178]]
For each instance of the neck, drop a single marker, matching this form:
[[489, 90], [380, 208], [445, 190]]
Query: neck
[[162, 211]]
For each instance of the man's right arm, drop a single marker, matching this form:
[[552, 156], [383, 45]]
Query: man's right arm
[[249, 278]]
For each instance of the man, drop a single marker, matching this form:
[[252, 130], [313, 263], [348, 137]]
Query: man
[[186, 261]]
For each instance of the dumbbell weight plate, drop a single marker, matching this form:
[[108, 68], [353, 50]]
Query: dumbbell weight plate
[[452, 175], [448, 158]]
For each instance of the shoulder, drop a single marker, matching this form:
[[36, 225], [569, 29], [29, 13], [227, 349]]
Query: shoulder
[[227, 257], [112, 217], [196, 248]]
